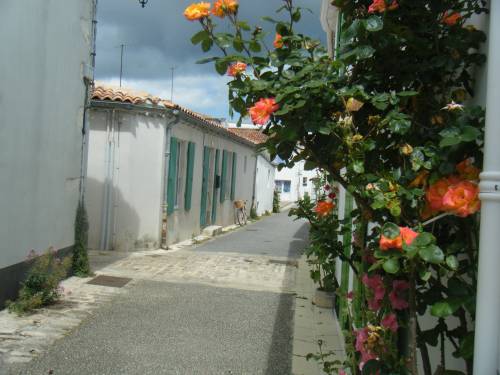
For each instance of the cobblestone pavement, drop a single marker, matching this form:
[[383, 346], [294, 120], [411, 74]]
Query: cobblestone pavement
[[22, 339]]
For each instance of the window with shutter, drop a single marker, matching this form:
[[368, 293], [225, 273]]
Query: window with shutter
[[189, 175], [172, 176], [233, 176], [223, 176]]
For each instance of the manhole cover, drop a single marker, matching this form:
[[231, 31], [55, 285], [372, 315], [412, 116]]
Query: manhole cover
[[115, 282], [292, 263]]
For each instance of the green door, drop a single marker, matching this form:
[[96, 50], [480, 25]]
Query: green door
[[216, 173], [204, 186]]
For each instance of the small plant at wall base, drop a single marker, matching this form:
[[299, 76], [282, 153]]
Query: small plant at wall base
[[276, 201], [80, 261], [253, 214], [41, 287]]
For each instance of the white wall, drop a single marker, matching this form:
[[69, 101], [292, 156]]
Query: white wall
[[264, 188], [184, 224], [131, 181], [125, 175], [296, 175], [42, 94]]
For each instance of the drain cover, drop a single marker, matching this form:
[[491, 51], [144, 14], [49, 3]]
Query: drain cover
[[115, 282]]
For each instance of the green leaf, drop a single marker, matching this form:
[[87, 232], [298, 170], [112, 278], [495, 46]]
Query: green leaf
[[207, 60], [296, 16], [407, 93], [432, 254], [221, 66], [470, 134], [238, 44], [444, 309], [259, 85], [452, 262], [372, 367], [255, 46], [269, 19], [390, 230], [358, 166], [391, 266], [424, 239], [200, 36], [207, 44], [364, 52], [425, 274], [373, 23], [381, 101]]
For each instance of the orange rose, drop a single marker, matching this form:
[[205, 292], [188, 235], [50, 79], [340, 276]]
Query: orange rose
[[225, 7], [323, 208], [436, 192], [451, 19], [197, 11], [278, 41], [405, 234], [462, 199], [467, 170], [262, 110], [236, 69], [380, 6]]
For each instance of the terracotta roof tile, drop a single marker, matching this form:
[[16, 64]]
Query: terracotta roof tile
[[125, 95], [253, 135]]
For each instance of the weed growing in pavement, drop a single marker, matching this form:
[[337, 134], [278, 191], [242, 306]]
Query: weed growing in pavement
[[41, 287]]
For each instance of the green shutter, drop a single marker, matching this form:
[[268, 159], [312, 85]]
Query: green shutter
[[233, 177], [204, 186], [172, 175], [189, 175], [223, 176], [214, 200]]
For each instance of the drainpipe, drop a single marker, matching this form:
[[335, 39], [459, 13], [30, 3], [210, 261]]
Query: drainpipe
[[89, 82], [255, 181], [486, 350], [163, 208]]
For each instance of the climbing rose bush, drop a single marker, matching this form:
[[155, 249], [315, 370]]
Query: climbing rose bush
[[387, 118]]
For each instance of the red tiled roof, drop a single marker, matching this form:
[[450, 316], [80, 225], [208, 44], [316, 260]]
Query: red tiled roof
[[253, 135], [126, 95]]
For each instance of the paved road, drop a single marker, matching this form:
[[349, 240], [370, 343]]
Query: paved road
[[158, 327], [276, 235]]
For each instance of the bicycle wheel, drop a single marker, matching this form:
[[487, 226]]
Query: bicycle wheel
[[241, 218]]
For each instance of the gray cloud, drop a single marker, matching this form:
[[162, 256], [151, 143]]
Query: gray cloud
[[158, 37]]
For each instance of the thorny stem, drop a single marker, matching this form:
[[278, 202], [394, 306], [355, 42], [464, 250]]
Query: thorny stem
[[208, 27], [424, 353], [234, 21]]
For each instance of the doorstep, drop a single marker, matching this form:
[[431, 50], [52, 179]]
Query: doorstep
[[312, 324]]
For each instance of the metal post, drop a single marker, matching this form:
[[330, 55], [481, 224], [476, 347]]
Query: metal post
[[122, 46], [486, 350]]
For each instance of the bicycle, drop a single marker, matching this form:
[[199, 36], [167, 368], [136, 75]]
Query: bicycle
[[240, 212]]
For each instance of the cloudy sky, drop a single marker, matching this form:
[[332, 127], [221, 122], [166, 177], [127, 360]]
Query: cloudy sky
[[157, 38]]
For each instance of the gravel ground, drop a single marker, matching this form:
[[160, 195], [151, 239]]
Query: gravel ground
[[164, 328]]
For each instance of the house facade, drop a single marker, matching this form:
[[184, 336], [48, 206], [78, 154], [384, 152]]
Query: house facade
[[45, 75], [265, 169], [159, 173], [296, 182]]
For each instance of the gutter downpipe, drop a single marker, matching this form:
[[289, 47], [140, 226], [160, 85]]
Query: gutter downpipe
[[163, 208], [255, 181], [88, 94], [486, 347]]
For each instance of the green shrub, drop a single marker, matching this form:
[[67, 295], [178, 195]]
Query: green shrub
[[80, 262], [253, 214], [41, 287]]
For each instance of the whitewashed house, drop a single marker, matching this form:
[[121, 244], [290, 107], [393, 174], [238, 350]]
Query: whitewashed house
[[45, 73], [265, 170], [159, 173], [294, 183]]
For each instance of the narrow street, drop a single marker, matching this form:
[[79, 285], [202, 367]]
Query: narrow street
[[222, 307]]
